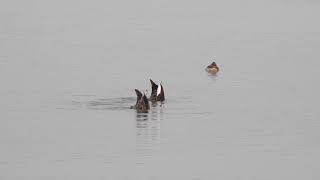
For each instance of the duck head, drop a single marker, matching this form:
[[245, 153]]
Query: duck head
[[213, 64]]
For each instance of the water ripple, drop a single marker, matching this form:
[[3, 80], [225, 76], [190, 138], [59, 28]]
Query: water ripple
[[111, 103], [105, 103]]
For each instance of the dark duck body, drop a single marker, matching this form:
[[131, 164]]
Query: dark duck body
[[142, 103], [212, 68], [157, 92]]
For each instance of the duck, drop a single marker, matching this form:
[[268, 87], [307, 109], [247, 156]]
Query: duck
[[157, 92], [142, 103], [139, 96], [212, 68]]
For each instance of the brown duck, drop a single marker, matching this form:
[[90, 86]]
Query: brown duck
[[212, 68], [157, 92], [142, 103]]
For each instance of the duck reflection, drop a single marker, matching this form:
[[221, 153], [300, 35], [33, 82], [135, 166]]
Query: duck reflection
[[148, 132]]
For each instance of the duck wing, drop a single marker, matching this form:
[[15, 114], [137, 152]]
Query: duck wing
[[139, 95], [146, 102], [160, 97], [154, 88]]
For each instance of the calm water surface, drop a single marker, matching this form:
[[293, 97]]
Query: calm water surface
[[68, 70]]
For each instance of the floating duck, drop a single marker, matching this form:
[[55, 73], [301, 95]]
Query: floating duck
[[142, 103], [212, 68], [139, 96], [157, 92]]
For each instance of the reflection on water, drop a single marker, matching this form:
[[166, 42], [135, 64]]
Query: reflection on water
[[148, 129], [213, 77]]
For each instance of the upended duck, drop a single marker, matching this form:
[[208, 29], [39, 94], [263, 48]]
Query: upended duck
[[142, 103], [212, 68], [157, 92]]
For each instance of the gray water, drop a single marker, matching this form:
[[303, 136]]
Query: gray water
[[68, 70]]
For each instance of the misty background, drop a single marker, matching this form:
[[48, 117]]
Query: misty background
[[68, 70]]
